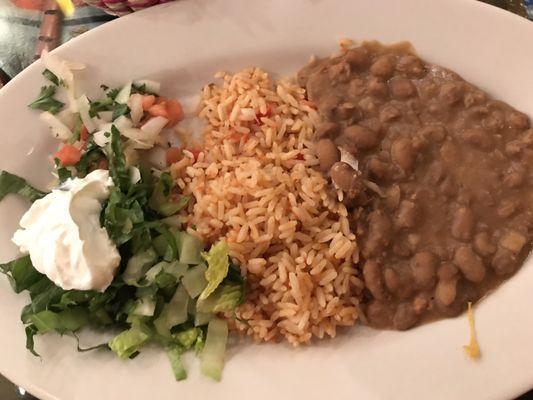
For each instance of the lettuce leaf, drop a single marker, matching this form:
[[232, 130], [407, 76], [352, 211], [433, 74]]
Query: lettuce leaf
[[174, 355], [217, 259], [212, 356], [21, 273], [128, 342], [10, 183]]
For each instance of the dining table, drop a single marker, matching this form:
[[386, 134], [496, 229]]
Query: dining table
[[27, 27]]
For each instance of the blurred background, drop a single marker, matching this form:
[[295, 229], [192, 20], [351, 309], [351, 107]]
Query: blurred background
[[29, 26]]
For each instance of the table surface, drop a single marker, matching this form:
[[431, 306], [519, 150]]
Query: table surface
[[21, 23]]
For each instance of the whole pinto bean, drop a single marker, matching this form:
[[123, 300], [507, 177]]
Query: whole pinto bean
[[327, 130], [407, 215], [470, 264], [377, 87], [327, 153], [411, 66], [347, 179], [424, 268], [462, 223], [403, 153], [374, 279], [479, 138], [483, 244], [401, 88], [405, 317], [379, 314], [379, 233], [400, 282], [446, 290], [383, 67], [360, 136], [358, 57], [504, 262]]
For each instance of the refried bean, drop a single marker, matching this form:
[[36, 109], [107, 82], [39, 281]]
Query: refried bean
[[453, 217]]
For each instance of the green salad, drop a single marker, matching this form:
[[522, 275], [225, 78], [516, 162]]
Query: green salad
[[169, 288]]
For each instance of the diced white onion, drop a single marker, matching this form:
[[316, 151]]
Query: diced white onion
[[124, 94], [135, 175], [74, 65], [349, 159], [60, 68], [57, 66], [103, 119], [135, 104], [122, 123], [139, 139], [151, 86], [67, 117], [59, 129], [155, 125], [83, 107], [102, 138]]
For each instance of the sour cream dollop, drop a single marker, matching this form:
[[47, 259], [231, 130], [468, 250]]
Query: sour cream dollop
[[63, 236]]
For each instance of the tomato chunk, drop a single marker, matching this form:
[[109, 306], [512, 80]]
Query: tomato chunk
[[84, 133], [148, 101], [173, 155], [195, 153], [158, 110], [174, 112], [68, 155]]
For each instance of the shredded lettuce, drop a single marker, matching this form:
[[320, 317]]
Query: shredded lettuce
[[174, 355], [194, 280], [161, 200], [189, 248], [224, 298], [138, 265], [212, 355], [173, 312], [217, 267], [128, 342], [21, 273], [10, 183]]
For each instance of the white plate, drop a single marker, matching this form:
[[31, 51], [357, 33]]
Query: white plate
[[183, 44]]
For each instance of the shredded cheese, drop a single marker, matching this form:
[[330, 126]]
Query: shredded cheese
[[472, 349], [66, 7]]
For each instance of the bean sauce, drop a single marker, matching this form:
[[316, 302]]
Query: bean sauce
[[453, 215]]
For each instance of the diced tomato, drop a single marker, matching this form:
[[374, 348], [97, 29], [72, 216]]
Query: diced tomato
[[84, 133], [158, 110], [148, 101], [195, 153], [174, 112], [68, 155], [173, 155], [300, 156]]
